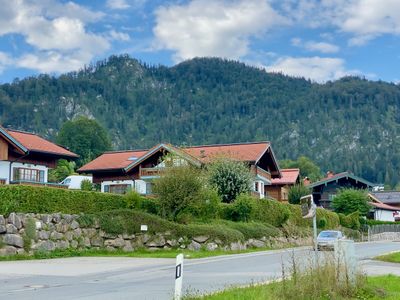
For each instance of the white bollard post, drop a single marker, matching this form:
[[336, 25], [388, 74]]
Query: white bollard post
[[178, 277], [345, 256]]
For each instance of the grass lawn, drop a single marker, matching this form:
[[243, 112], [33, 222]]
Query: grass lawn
[[138, 253], [381, 287], [392, 257]]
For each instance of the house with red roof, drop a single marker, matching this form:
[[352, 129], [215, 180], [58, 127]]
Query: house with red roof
[[279, 187], [25, 158], [120, 171]]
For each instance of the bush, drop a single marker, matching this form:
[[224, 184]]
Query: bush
[[206, 207], [271, 212], [29, 199], [377, 222], [240, 210], [253, 230], [86, 185], [350, 221], [348, 201], [296, 192], [133, 199], [230, 178], [178, 189]]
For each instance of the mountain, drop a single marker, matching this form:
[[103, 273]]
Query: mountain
[[350, 124]]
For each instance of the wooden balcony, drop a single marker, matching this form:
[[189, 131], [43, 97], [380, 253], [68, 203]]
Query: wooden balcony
[[255, 170], [36, 183], [150, 172]]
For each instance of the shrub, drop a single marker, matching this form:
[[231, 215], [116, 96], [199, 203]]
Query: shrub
[[322, 223], [29, 199], [351, 200], [350, 221], [230, 178], [253, 229], [150, 205], [178, 189], [133, 199], [86, 185], [296, 192], [271, 212], [206, 206]]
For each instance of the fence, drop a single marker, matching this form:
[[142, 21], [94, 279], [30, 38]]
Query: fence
[[384, 232]]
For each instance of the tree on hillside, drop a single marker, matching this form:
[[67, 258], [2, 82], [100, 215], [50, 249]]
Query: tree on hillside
[[348, 201], [230, 178], [307, 167], [85, 137]]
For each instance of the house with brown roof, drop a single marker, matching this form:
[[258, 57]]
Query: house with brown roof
[[120, 171], [382, 211], [324, 190], [25, 158], [279, 188]]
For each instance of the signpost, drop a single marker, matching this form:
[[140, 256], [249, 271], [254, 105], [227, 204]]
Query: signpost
[[308, 211], [178, 277]]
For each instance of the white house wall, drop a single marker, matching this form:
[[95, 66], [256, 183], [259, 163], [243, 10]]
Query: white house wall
[[29, 166], [116, 182], [5, 170], [384, 215]]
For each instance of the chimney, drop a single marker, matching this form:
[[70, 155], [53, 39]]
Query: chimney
[[329, 174], [306, 181]]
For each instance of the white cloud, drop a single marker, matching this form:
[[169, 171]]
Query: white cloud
[[5, 60], [319, 69], [56, 31], [322, 47], [363, 19], [213, 28], [117, 4], [118, 36]]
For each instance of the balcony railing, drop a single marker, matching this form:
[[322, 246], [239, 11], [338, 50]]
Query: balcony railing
[[150, 172], [261, 172], [36, 183]]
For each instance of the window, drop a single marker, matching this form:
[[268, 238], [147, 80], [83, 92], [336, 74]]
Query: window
[[256, 187], [119, 188], [331, 197], [28, 175], [149, 188]]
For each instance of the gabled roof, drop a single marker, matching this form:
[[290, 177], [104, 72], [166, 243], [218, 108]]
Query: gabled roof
[[250, 152], [113, 160], [29, 142], [388, 197], [120, 160], [289, 176], [378, 204], [339, 176]]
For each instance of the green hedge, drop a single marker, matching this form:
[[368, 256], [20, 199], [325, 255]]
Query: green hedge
[[29, 199], [350, 221]]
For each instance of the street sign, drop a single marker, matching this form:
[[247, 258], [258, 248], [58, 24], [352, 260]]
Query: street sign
[[178, 277], [308, 208]]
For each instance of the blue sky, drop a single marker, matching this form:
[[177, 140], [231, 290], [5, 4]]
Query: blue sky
[[318, 39]]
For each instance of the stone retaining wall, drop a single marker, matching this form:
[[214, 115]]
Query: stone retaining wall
[[26, 233], [385, 236]]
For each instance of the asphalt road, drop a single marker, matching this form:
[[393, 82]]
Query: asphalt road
[[144, 278]]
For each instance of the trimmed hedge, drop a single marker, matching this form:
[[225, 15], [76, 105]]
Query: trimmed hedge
[[30, 199], [350, 221]]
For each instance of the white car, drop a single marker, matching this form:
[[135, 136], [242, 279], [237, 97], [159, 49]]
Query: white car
[[326, 239], [74, 181]]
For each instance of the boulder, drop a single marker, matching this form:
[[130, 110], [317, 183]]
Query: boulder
[[62, 245], [172, 243], [127, 247], [11, 228], [15, 220], [237, 246], [62, 227], [43, 235], [89, 232], [201, 239], [74, 244], [74, 224], [96, 241], [56, 235], [69, 236], [56, 218], [68, 218], [46, 219], [157, 241], [3, 229], [211, 246], [194, 246], [13, 240], [256, 244], [2, 220], [8, 250], [45, 246], [77, 233]]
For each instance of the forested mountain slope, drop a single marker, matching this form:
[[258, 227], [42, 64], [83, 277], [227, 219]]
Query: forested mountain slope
[[350, 124]]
